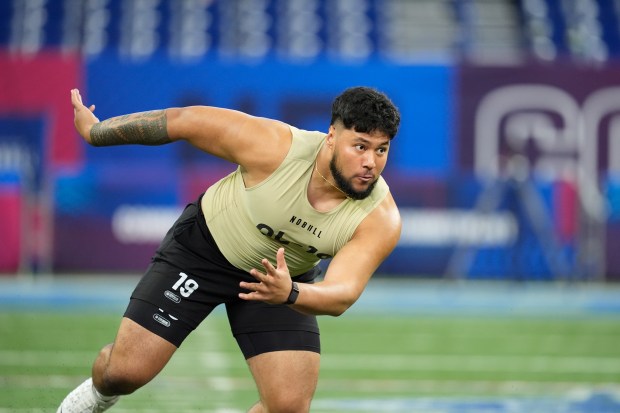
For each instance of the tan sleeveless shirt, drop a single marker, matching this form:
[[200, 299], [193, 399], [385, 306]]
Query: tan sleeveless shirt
[[249, 224]]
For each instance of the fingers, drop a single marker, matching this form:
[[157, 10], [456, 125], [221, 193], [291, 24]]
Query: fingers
[[76, 99], [253, 287], [280, 260], [257, 291], [257, 274], [269, 268], [251, 296]]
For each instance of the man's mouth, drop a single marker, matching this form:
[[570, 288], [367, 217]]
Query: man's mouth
[[366, 177]]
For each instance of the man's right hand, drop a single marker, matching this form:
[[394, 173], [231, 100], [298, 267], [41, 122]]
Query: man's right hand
[[84, 118]]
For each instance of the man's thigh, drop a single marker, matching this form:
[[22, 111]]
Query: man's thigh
[[137, 354]]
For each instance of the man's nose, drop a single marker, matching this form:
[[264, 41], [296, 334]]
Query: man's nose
[[369, 160]]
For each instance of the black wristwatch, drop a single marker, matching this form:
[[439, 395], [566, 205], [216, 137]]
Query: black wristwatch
[[292, 297]]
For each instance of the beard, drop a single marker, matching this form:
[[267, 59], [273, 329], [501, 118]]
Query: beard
[[345, 184]]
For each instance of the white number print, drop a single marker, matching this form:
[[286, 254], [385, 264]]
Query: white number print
[[186, 286]]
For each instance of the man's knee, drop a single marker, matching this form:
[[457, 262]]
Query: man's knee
[[287, 403], [115, 377], [134, 359], [116, 383], [286, 379]]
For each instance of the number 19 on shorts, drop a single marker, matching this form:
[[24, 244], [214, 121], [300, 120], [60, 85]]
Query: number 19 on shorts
[[185, 285]]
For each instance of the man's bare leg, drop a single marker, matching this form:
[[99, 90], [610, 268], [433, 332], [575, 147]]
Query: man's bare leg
[[134, 359], [286, 380]]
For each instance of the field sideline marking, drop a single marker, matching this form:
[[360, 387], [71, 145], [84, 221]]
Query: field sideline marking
[[356, 362], [469, 362], [355, 385]]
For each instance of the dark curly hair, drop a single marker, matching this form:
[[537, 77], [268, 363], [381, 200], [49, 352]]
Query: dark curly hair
[[366, 110]]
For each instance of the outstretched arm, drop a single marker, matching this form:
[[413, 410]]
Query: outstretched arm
[[145, 128], [257, 144]]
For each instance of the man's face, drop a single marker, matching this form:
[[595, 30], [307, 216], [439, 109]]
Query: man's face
[[358, 159]]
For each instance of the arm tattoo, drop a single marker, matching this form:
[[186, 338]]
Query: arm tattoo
[[144, 128]]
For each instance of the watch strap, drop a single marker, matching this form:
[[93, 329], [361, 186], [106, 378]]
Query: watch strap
[[292, 297]]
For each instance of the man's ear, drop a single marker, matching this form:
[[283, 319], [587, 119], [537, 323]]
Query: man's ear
[[330, 138]]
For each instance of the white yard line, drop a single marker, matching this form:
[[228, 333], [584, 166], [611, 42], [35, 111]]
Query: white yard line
[[350, 385], [212, 360], [473, 363]]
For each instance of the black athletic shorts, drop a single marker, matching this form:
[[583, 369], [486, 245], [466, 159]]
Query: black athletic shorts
[[188, 277]]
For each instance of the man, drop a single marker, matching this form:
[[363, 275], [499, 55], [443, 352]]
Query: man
[[253, 241]]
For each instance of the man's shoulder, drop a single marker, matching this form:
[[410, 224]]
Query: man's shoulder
[[306, 144], [308, 135], [383, 225]]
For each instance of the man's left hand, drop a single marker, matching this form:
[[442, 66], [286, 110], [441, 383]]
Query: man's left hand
[[273, 286]]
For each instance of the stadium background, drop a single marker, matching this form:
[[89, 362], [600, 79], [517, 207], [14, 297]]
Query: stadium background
[[505, 169], [69, 208]]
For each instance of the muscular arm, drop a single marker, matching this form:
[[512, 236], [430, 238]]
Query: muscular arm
[[144, 128], [350, 270], [258, 145]]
